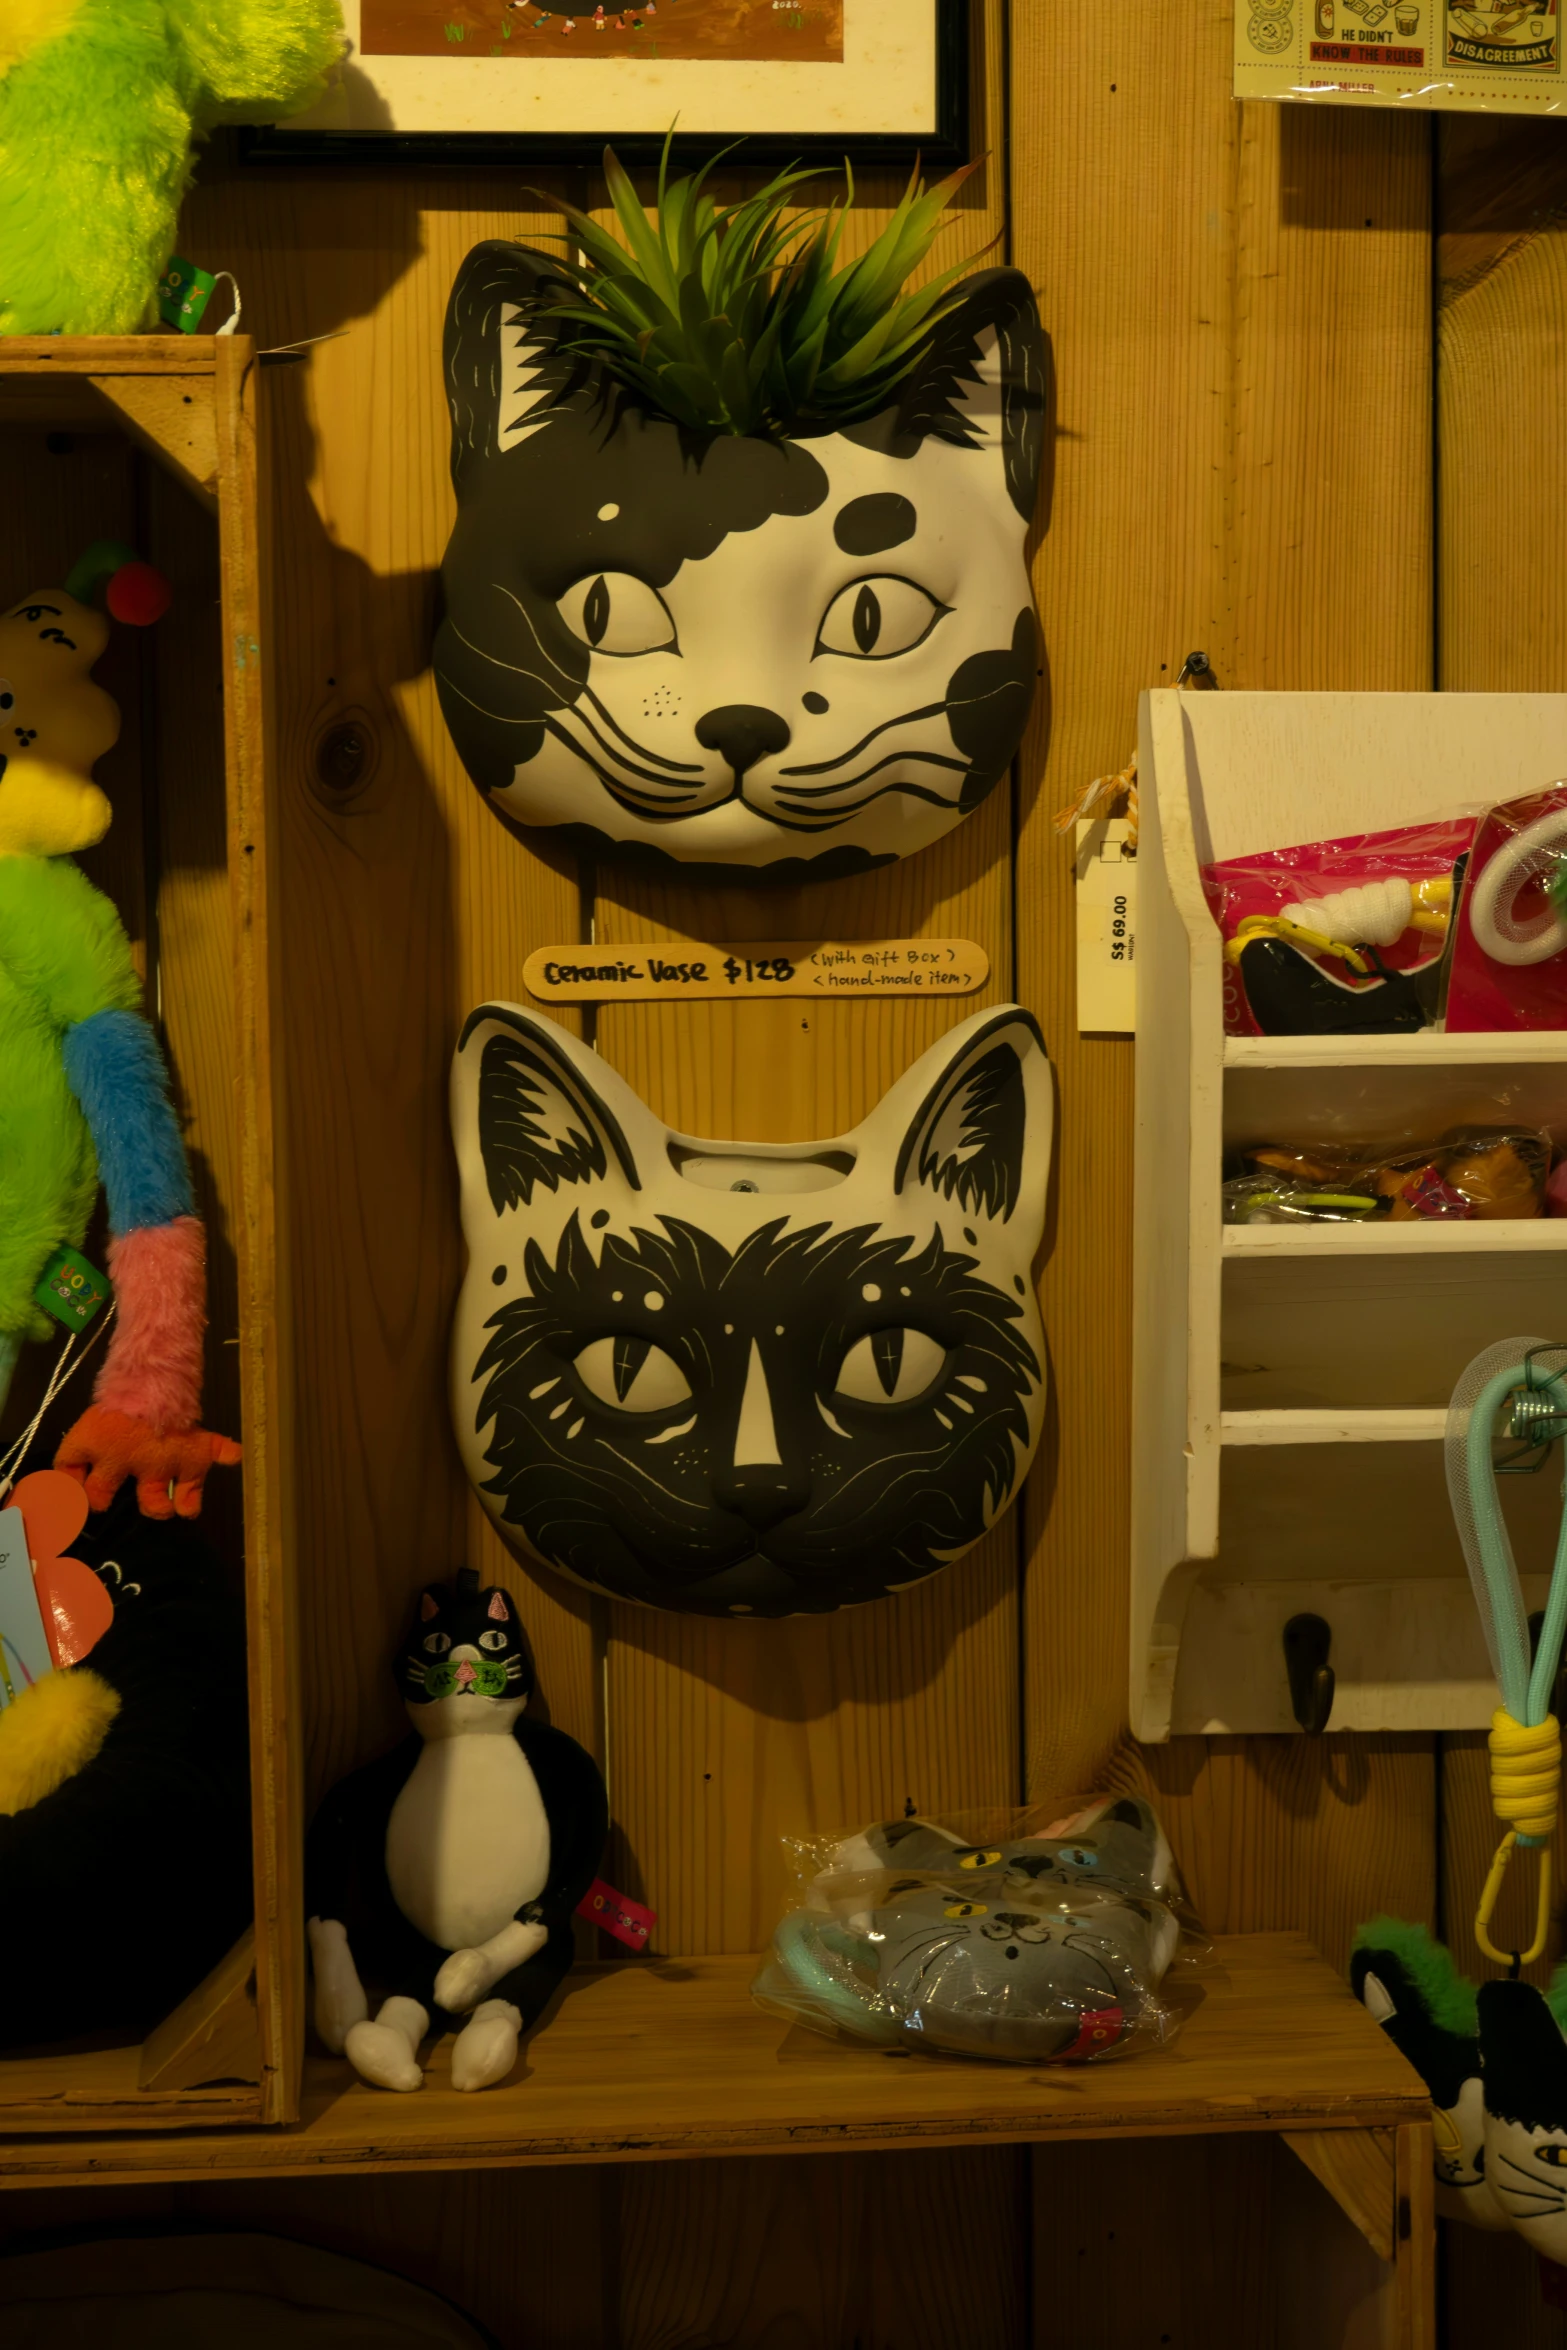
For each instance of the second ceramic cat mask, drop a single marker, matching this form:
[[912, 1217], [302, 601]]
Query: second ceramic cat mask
[[745, 1379], [775, 659]]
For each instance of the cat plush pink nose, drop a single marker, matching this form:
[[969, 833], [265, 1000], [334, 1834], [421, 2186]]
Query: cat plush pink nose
[[465, 1673]]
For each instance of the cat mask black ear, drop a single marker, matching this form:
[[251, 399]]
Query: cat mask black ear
[[981, 383], [1523, 2056], [504, 374], [534, 1116]]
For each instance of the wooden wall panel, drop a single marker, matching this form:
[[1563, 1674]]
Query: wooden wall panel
[[1502, 627], [404, 904], [1252, 285]]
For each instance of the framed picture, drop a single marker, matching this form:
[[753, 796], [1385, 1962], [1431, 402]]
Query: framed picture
[[548, 81]]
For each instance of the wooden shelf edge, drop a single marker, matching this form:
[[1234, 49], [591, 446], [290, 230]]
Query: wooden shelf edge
[[108, 354], [1430, 1049], [1416, 1425], [1528, 1236], [671, 2060]]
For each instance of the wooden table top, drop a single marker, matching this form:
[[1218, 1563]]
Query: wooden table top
[[672, 2058]]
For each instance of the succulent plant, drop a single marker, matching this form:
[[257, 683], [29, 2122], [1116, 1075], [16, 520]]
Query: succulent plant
[[736, 318]]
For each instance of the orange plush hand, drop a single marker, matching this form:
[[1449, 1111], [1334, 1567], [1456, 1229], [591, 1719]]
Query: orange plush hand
[[105, 1447]]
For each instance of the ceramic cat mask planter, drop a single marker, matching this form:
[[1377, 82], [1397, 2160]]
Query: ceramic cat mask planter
[[775, 659], [747, 1379]]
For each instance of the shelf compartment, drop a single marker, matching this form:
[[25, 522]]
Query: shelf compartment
[[173, 460], [1349, 1331], [672, 2057]]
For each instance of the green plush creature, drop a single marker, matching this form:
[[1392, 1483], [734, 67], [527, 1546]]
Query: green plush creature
[[100, 102]]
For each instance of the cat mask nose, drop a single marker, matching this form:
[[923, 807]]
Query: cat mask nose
[[760, 1496], [742, 733]]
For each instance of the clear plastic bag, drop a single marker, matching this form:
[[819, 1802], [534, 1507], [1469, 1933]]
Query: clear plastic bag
[[1487, 1173], [1336, 937], [1032, 1936]]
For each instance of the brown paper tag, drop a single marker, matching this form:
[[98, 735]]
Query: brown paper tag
[[682, 971]]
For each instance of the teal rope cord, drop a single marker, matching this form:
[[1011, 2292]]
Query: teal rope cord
[[1525, 1688]]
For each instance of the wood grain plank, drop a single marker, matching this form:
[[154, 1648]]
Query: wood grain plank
[[674, 2059], [1502, 334], [406, 902], [1239, 278]]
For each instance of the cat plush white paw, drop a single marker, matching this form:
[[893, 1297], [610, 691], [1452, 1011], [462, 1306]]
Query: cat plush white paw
[[386, 2053], [467, 1975], [486, 2048], [340, 1996]]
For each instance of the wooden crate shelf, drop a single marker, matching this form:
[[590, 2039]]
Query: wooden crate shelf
[[156, 439], [1290, 1383], [673, 2058]]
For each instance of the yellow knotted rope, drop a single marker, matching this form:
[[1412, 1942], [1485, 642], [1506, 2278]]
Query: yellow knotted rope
[[1526, 1777]]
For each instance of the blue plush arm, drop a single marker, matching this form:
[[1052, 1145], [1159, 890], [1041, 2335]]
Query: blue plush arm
[[115, 1070]]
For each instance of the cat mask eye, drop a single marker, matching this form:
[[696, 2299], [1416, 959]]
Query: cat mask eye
[[774, 659], [748, 1379]]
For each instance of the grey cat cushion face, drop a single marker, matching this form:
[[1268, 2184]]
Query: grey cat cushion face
[[1031, 1949], [741, 1379], [771, 659]]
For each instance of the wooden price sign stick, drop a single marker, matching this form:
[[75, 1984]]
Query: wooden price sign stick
[[683, 971]]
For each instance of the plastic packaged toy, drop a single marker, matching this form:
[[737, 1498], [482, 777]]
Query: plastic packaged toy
[[1486, 1173], [1509, 965], [1018, 1935], [1339, 937]]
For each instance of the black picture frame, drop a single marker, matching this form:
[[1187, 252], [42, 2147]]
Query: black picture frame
[[949, 142]]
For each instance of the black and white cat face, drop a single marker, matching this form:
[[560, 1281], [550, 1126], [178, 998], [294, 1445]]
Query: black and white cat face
[[465, 1666], [739, 1379], [764, 657], [1524, 2070]]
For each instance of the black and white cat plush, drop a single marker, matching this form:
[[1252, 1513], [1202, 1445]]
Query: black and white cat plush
[[460, 1856], [778, 659], [748, 1379]]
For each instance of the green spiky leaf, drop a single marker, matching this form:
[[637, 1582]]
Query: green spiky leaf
[[737, 318]]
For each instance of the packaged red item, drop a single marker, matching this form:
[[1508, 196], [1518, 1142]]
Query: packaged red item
[[1331, 937], [1509, 969]]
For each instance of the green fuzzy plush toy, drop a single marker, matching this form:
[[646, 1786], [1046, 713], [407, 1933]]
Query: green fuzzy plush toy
[[100, 102]]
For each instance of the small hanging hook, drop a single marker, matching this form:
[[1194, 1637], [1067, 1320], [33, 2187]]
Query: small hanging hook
[[1307, 1640]]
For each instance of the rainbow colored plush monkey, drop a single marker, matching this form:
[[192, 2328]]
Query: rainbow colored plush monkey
[[100, 102], [83, 1093]]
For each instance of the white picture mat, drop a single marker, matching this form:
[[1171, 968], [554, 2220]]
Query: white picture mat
[[885, 86]]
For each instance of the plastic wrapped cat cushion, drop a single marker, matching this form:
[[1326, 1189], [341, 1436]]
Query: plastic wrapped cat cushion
[[748, 1379], [1034, 1944], [777, 658]]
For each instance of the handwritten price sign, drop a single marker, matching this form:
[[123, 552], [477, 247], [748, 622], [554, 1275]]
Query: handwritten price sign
[[681, 971]]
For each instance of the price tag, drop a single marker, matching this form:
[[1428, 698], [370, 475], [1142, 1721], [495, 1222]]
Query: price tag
[[1106, 930], [682, 971], [24, 1645]]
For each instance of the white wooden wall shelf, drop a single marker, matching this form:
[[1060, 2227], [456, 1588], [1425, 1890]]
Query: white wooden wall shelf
[[1290, 1385]]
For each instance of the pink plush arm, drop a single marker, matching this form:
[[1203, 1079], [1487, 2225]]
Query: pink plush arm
[[152, 1370], [144, 1420]]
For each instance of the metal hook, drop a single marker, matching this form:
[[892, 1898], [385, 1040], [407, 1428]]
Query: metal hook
[[1535, 1417], [1307, 1640], [1197, 670]]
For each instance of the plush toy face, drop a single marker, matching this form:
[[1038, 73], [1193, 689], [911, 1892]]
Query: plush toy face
[[465, 1666], [737, 1379], [1016, 1976], [769, 658], [54, 723], [1524, 2068]]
